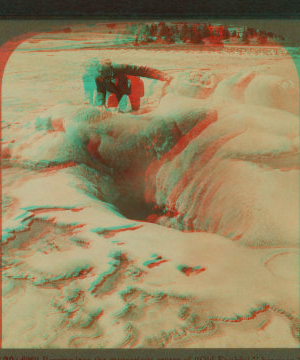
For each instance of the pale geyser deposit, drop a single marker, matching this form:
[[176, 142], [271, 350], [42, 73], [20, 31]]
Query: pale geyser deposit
[[174, 226]]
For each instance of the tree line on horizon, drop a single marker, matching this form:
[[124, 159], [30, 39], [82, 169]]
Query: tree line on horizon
[[195, 34]]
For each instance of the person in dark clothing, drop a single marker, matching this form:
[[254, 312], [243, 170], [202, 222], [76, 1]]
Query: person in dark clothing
[[118, 79]]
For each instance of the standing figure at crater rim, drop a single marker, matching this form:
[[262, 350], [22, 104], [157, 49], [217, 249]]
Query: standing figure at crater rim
[[118, 79]]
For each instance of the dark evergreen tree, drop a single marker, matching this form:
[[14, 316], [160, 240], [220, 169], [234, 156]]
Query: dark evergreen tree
[[226, 33], [206, 32], [184, 33], [245, 38], [262, 33], [262, 39], [192, 33], [210, 29], [170, 37], [165, 32], [250, 32], [198, 38], [153, 30], [174, 33]]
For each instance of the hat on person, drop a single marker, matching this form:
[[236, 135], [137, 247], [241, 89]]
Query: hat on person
[[106, 68]]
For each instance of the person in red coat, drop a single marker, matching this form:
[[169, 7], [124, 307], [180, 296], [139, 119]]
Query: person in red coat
[[118, 79]]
